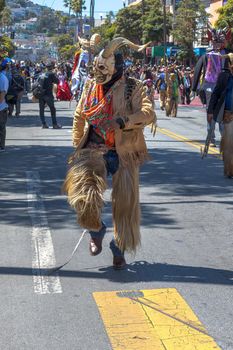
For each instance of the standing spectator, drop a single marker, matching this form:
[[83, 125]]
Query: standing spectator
[[4, 84], [17, 85], [150, 91], [37, 71], [63, 90], [27, 77], [161, 87], [49, 79], [186, 84]]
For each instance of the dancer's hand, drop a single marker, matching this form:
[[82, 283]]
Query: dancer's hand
[[110, 125]]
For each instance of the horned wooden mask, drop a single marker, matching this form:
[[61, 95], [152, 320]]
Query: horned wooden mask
[[104, 64]]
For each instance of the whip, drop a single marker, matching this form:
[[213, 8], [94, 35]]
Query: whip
[[57, 268]]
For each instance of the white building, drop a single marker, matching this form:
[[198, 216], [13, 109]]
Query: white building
[[134, 2]]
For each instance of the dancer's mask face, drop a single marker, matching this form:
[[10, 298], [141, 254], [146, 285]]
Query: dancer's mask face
[[104, 68]]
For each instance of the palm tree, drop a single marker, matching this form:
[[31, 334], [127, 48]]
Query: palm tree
[[77, 6]]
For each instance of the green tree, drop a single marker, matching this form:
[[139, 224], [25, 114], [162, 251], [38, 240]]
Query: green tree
[[67, 52], [62, 21], [129, 23], [63, 40], [225, 15], [107, 31], [6, 17], [7, 45], [2, 5], [141, 24], [47, 22], [152, 21], [190, 16], [77, 6]]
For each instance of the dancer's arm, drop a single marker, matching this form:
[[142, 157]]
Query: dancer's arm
[[142, 108], [78, 124]]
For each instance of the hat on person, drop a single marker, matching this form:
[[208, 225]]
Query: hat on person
[[5, 62]]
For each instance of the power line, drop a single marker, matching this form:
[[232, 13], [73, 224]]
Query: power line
[[52, 3]]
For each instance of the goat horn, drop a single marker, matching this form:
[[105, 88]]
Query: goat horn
[[117, 43]]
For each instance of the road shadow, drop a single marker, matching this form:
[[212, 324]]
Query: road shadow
[[182, 173], [138, 271], [32, 121], [172, 174]]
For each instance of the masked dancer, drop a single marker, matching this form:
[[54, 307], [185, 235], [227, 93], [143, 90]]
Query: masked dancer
[[108, 136]]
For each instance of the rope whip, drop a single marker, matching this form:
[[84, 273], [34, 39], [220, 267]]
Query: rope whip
[[57, 268]]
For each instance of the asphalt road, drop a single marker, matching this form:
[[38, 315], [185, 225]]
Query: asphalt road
[[186, 230]]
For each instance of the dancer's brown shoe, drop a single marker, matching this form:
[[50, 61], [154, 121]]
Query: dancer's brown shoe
[[119, 263], [95, 246]]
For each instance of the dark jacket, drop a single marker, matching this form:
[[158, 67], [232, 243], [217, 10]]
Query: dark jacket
[[199, 68], [49, 80], [217, 101], [17, 82]]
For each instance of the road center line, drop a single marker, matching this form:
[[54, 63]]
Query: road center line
[[189, 142], [43, 256]]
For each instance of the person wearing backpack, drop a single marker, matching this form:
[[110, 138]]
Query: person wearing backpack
[[17, 87], [44, 85]]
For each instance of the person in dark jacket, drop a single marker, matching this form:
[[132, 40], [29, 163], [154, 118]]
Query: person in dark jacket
[[17, 85], [208, 68], [221, 106], [49, 79]]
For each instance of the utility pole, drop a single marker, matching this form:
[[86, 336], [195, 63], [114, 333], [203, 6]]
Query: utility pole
[[92, 13], [164, 33], [143, 37]]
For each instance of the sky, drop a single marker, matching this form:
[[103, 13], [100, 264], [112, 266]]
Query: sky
[[101, 6]]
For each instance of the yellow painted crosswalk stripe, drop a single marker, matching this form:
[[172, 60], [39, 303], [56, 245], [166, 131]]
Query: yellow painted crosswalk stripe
[[189, 142], [157, 319]]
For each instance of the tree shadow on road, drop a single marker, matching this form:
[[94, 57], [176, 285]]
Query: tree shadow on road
[[32, 121], [172, 176], [181, 173]]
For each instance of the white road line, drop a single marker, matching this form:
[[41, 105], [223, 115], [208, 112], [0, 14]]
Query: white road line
[[43, 256]]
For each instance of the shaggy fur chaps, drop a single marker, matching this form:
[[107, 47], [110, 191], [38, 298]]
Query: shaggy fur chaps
[[85, 184], [227, 148], [125, 207]]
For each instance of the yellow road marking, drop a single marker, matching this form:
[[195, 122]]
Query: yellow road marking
[[194, 144], [157, 319]]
